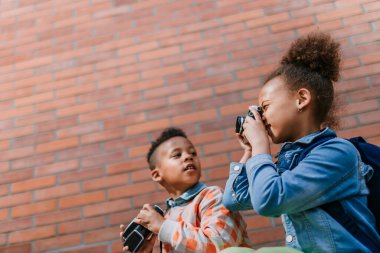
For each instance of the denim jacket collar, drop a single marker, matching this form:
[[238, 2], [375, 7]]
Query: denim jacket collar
[[186, 196], [306, 140]]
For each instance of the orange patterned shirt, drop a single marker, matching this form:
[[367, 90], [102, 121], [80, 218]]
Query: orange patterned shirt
[[200, 223]]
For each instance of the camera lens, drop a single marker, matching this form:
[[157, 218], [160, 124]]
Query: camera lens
[[239, 124]]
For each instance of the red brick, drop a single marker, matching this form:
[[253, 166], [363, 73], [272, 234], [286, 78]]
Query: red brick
[[83, 225], [58, 191], [34, 208], [118, 81], [32, 184], [30, 161], [164, 71], [189, 96], [105, 182], [31, 234], [76, 109], [361, 71], [81, 175], [99, 235], [138, 48], [293, 24], [360, 107], [268, 235], [103, 159], [57, 167], [4, 213], [64, 241], [364, 131], [16, 153], [147, 127], [211, 161], [82, 199], [126, 166], [370, 58], [266, 20], [57, 145], [15, 225], [16, 132], [78, 130], [92, 249], [34, 99], [75, 90], [57, 217], [56, 104], [165, 91], [33, 119], [106, 208], [341, 13], [195, 117], [19, 248], [131, 190], [8, 114]]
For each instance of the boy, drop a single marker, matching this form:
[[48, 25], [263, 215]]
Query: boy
[[195, 219]]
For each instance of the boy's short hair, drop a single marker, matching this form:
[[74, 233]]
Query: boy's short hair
[[167, 134]]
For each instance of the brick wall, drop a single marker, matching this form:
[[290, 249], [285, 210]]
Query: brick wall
[[85, 85]]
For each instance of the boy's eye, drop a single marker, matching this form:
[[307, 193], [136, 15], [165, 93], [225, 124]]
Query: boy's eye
[[176, 155], [194, 153]]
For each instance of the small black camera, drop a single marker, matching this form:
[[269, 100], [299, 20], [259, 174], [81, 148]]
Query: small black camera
[[135, 234], [240, 119]]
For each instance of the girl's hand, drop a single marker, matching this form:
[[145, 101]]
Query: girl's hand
[[256, 134], [244, 143], [246, 147]]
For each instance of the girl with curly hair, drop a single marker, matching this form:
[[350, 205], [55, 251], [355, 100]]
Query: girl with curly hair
[[298, 109]]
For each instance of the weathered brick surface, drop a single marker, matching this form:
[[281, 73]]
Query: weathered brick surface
[[86, 85]]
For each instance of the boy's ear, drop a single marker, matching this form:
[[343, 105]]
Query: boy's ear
[[156, 176], [303, 98]]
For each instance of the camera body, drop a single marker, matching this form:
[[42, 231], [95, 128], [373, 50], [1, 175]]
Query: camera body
[[135, 234], [240, 119]]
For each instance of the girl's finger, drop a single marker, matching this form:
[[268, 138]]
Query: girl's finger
[[256, 114]]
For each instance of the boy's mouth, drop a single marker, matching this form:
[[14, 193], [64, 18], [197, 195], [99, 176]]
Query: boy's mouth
[[190, 167]]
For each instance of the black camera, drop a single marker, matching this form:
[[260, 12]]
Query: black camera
[[135, 234], [240, 119]]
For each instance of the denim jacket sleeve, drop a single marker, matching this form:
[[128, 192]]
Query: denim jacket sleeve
[[330, 172], [236, 193]]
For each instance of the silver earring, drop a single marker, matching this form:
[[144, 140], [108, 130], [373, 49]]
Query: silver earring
[[300, 109]]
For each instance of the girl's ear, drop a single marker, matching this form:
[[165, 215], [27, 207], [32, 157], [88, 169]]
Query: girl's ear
[[156, 177], [303, 98]]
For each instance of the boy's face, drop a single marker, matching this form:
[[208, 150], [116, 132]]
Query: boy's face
[[177, 165]]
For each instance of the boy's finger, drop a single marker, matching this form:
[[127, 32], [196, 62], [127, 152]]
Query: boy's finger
[[122, 227]]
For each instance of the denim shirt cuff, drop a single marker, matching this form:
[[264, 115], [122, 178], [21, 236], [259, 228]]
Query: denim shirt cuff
[[257, 160]]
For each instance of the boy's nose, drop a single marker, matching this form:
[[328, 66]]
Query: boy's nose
[[188, 157]]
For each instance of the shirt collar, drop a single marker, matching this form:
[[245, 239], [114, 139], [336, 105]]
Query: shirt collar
[[186, 196], [306, 140]]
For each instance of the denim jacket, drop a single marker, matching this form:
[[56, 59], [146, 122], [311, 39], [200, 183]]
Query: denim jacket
[[331, 171]]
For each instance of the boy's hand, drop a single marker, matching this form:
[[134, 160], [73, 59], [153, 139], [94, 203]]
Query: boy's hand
[[150, 218], [148, 245]]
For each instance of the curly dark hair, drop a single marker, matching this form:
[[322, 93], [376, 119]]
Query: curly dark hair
[[313, 62], [167, 134]]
